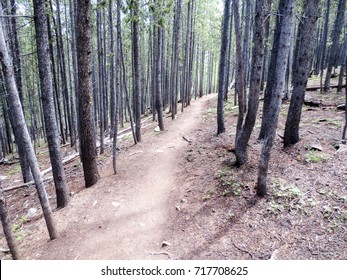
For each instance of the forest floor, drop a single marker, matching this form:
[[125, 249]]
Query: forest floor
[[176, 198]]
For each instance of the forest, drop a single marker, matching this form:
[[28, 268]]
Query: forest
[[173, 129]]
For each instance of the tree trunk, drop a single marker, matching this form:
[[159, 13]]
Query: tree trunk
[[270, 81], [244, 135], [343, 69], [158, 99], [118, 81], [246, 48], [222, 67], [276, 95], [100, 50], [86, 124], [345, 127], [7, 227], [334, 49], [44, 66], [175, 58], [308, 28], [239, 86], [136, 67], [62, 64], [202, 68], [19, 125]]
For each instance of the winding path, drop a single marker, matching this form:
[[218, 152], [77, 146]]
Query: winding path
[[125, 216]]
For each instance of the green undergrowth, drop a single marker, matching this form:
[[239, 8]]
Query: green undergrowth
[[316, 157]]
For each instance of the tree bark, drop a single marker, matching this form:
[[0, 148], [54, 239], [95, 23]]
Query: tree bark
[[45, 74], [239, 86], [276, 95], [158, 99], [270, 81], [308, 28], [136, 68], [175, 57], [222, 67], [244, 135], [16, 109], [345, 127], [86, 124], [117, 94], [7, 227], [334, 49]]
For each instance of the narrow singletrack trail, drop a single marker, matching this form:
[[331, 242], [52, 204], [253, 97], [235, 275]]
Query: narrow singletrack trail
[[125, 216]]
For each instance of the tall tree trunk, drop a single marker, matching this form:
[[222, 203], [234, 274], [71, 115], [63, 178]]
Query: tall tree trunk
[[86, 124], [44, 66], [246, 48], [343, 69], [16, 53], [276, 95], [308, 28], [222, 67], [19, 125], [7, 227], [158, 98], [244, 135], [334, 49], [118, 88], [100, 50], [267, 37], [202, 68], [14, 44], [345, 127], [175, 58], [239, 86], [62, 64], [324, 42], [112, 69], [136, 67], [270, 81]]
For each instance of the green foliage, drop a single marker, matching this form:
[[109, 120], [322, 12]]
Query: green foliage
[[101, 4], [335, 215], [17, 228], [229, 182], [316, 157]]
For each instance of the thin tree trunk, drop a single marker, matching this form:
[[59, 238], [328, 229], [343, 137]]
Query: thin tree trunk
[[100, 50], [244, 135], [7, 227], [276, 95], [158, 99], [305, 48], [270, 81], [239, 86], [118, 82], [222, 67], [202, 68], [44, 66], [16, 109], [334, 49], [136, 67], [86, 124], [175, 58], [345, 127]]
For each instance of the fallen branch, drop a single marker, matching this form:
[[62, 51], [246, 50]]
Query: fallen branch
[[314, 87], [160, 253], [187, 139], [4, 250], [68, 160], [312, 103], [28, 184], [240, 249]]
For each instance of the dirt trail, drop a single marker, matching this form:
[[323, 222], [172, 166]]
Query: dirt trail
[[125, 216]]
